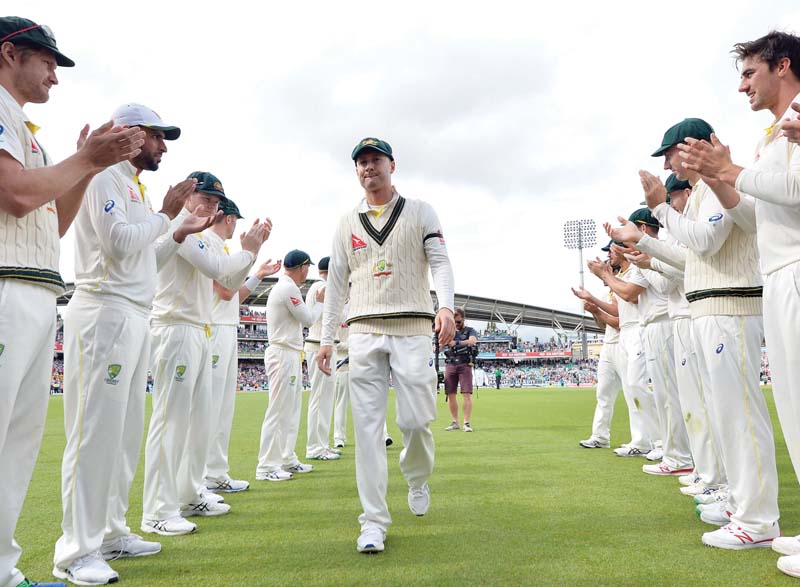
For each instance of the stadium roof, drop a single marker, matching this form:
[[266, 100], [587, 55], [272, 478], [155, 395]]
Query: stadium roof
[[476, 308]]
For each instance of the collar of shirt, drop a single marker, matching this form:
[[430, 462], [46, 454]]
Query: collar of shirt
[[9, 100], [378, 211], [790, 114]]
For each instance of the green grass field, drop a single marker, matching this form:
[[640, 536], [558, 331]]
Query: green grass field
[[517, 502]]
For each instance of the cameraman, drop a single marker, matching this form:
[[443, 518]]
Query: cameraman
[[459, 357]]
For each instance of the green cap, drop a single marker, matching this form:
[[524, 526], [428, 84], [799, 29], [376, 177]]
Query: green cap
[[373, 144], [26, 32], [227, 207], [612, 242], [296, 258], [673, 184], [643, 216], [323, 263], [697, 128], [208, 184]]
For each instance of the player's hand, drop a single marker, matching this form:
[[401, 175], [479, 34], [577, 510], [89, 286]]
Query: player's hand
[[109, 144], [445, 326], [194, 223], [268, 268], [320, 295], [654, 191], [176, 197], [595, 266], [628, 232], [640, 259], [711, 160], [82, 136], [581, 293], [590, 307], [790, 128], [324, 358], [255, 236]]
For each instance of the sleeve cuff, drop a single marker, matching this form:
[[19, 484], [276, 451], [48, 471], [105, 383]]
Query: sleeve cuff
[[746, 181]]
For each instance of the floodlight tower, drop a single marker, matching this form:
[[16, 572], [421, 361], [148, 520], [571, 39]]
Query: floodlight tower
[[581, 234]]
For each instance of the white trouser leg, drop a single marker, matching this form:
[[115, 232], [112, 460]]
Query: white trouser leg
[[181, 363], [707, 462], [414, 379], [224, 368], [660, 353], [730, 346], [104, 340], [27, 333], [285, 385], [369, 390], [340, 402], [320, 407], [640, 401], [608, 385], [782, 328]]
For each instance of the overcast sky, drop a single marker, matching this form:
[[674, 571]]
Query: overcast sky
[[510, 118]]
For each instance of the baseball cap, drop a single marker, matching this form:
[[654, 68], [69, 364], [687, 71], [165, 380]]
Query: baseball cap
[[697, 128], [26, 32], [643, 216], [137, 115], [296, 258], [323, 263], [673, 184], [375, 145], [612, 242], [227, 207], [208, 184]]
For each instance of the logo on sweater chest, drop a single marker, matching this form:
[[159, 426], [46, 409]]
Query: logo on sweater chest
[[134, 196], [358, 244], [381, 269]]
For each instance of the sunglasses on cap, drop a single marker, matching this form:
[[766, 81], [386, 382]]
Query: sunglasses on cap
[[46, 31]]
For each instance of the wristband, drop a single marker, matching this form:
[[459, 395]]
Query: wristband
[[252, 283]]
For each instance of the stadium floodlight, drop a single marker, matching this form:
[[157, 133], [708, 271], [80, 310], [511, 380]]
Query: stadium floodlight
[[581, 234]]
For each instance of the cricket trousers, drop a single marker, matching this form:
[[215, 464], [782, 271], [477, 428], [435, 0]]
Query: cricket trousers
[[729, 355], [641, 403], [177, 441], [410, 359], [320, 406], [27, 335], [340, 403], [707, 462], [610, 373], [282, 417], [106, 354], [659, 349], [782, 329], [224, 376]]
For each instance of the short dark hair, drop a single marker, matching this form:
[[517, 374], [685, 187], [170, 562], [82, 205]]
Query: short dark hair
[[771, 48], [459, 312]]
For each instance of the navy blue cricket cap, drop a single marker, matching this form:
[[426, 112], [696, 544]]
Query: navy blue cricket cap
[[296, 258], [228, 207], [323, 263], [607, 248]]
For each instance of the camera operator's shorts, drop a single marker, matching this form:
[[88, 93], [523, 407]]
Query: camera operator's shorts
[[455, 375]]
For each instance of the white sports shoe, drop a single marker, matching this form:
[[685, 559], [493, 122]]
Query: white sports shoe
[[298, 468], [276, 475], [690, 479], [227, 485], [419, 499], [88, 570], [207, 495], [467, 427], [787, 545], [371, 540], [711, 494], [698, 489], [176, 526], [453, 426], [592, 443], [629, 451], [733, 537], [789, 565], [714, 513], [326, 455], [662, 469], [655, 455], [129, 546], [205, 508]]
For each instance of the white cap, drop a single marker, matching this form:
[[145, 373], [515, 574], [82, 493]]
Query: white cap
[[138, 115]]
